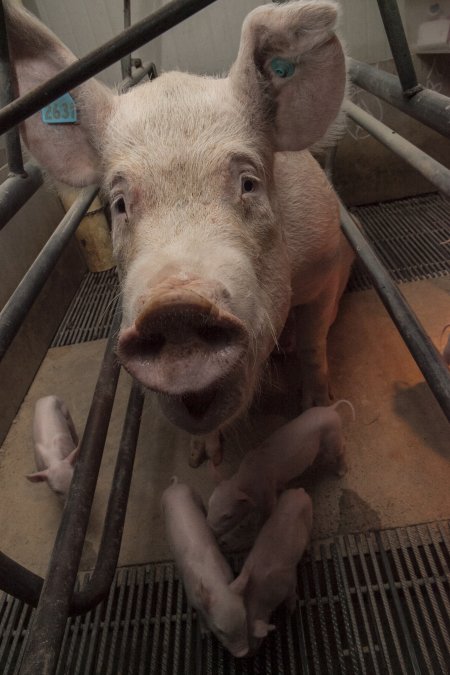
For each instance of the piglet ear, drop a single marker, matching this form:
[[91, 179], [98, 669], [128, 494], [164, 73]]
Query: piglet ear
[[244, 497], [239, 584], [290, 71], [261, 628], [38, 476], [73, 456], [66, 150], [214, 472]]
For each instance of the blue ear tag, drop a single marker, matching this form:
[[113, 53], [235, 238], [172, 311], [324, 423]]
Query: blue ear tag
[[61, 111], [282, 68]]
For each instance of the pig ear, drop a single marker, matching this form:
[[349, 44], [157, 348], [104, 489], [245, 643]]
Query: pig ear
[[290, 71], [73, 456], [66, 150], [244, 497], [214, 472], [239, 584], [262, 628], [38, 476]]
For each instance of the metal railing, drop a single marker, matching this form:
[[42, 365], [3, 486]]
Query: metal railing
[[54, 597]]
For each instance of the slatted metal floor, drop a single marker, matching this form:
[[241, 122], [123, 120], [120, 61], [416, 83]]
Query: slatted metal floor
[[408, 235], [90, 313], [368, 603]]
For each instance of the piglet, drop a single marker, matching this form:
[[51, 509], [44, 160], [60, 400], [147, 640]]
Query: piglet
[[269, 575], [314, 436], [205, 573], [55, 444]]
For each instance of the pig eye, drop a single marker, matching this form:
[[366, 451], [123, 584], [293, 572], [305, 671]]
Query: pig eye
[[248, 184], [119, 205]]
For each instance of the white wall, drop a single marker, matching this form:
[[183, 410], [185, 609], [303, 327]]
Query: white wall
[[205, 43]]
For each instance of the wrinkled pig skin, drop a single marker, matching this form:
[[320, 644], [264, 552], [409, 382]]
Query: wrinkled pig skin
[[206, 574], [313, 437], [55, 444], [221, 218], [269, 575]]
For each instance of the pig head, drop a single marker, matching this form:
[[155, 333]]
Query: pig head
[[269, 574], [198, 199]]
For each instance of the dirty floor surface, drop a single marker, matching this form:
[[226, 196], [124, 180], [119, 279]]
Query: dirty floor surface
[[398, 449]]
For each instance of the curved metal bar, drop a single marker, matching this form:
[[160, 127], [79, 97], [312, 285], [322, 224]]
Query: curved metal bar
[[419, 344], [426, 106], [435, 172], [27, 586], [47, 630], [101, 579], [16, 190], [139, 34], [19, 581], [20, 302]]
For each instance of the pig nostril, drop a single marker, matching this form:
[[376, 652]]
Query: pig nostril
[[215, 336], [151, 345]]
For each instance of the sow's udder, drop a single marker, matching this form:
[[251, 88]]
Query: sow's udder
[[189, 350]]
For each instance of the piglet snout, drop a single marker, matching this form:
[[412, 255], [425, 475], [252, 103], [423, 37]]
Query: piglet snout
[[182, 343]]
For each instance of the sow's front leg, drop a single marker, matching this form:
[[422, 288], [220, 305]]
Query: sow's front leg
[[313, 322], [320, 259]]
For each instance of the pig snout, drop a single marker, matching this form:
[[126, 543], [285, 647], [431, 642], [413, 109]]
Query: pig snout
[[186, 347]]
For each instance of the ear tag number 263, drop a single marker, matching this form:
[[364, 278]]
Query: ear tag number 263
[[61, 111]]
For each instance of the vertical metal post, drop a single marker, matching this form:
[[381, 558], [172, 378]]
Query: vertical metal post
[[12, 140], [125, 63], [399, 46]]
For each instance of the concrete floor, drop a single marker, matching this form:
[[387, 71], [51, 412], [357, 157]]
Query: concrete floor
[[398, 449]]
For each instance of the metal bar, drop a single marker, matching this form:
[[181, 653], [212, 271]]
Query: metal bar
[[20, 302], [100, 581], [351, 628], [435, 172], [47, 630], [419, 344], [19, 581], [398, 606], [138, 75], [411, 593], [426, 106], [333, 614], [13, 148], [394, 639], [81, 70], [126, 60], [16, 190], [399, 46], [357, 586], [316, 661]]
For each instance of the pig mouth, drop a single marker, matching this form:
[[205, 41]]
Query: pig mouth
[[200, 412], [191, 353], [197, 404]]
